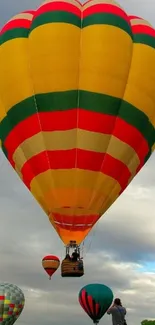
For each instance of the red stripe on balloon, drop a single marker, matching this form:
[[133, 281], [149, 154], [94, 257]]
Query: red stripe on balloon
[[105, 8], [143, 29], [86, 160], [116, 169], [48, 121], [90, 302], [96, 122], [134, 17], [73, 227], [50, 271], [58, 6], [83, 302], [17, 23], [139, 168], [67, 120], [78, 219], [97, 308], [50, 257], [28, 12], [130, 135]]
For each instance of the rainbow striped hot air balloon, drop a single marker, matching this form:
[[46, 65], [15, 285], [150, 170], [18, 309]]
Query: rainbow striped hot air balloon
[[77, 106]]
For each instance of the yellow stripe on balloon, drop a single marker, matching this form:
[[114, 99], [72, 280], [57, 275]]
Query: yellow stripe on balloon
[[82, 139], [50, 264], [22, 15], [2, 111], [16, 56], [73, 188], [104, 202], [99, 72], [55, 63], [66, 178], [66, 235], [140, 88], [140, 22]]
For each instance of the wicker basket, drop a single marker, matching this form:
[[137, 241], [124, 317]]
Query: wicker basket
[[71, 269]]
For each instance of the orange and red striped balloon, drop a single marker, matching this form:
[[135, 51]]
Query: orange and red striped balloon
[[50, 264], [77, 106]]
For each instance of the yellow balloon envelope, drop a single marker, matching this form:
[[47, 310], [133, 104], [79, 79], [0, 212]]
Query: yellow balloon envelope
[[77, 106]]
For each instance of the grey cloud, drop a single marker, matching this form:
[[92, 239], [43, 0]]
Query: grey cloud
[[10, 8], [123, 240], [127, 229], [144, 9], [146, 176]]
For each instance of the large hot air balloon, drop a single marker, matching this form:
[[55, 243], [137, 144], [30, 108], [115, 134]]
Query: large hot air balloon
[[77, 107], [95, 299], [50, 264], [11, 303]]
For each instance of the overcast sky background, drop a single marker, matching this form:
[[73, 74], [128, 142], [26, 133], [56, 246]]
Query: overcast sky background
[[120, 252]]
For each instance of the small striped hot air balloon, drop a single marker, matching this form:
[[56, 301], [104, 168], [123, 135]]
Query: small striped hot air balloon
[[95, 299], [50, 264], [77, 106]]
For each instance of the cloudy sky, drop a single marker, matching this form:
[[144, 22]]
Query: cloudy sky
[[120, 252]]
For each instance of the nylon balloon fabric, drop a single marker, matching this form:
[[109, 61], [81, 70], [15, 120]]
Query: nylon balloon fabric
[[50, 264], [95, 299], [77, 106], [11, 303]]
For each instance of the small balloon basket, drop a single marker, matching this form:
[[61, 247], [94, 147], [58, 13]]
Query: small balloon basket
[[72, 265]]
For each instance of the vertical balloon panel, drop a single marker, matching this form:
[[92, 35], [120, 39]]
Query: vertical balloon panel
[[15, 86], [54, 43]]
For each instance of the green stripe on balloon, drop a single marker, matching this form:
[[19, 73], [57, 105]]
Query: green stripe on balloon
[[94, 19], [62, 101], [13, 34], [144, 39], [107, 19]]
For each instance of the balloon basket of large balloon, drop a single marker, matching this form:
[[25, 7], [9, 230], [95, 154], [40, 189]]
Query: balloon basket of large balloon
[[72, 265], [71, 268]]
